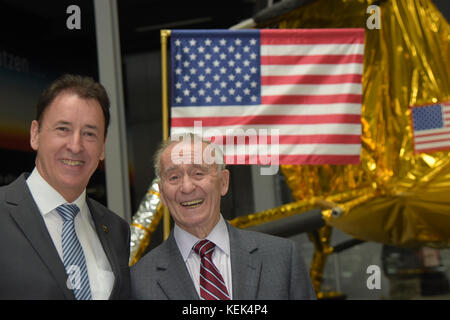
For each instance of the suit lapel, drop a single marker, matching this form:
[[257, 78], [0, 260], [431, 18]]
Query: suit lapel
[[172, 274], [101, 228], [26, 214], [245, 265]]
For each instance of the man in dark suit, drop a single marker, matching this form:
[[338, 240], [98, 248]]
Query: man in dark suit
[[204, 256], [55, 242]]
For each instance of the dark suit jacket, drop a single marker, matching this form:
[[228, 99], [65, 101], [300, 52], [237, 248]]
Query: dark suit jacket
[[262, 267], [30, 267]]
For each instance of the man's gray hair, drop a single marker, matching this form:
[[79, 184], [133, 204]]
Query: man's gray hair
[[179, 138]]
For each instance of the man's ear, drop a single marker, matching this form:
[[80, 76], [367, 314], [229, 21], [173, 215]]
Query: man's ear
[[102, 155], [161, 195], [34, 135], [224, 181]]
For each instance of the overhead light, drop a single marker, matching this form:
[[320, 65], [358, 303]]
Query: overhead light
[[173, 24]]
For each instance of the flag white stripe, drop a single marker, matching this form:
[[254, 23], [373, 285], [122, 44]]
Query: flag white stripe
[[431, 138], [255, 110], [325, 149], [432, 145], [311, 69], [436, 132], [309, 50], [296, 130], [324, 89]]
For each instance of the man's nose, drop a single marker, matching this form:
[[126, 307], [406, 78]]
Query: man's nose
[[75, 143], [187, 184]]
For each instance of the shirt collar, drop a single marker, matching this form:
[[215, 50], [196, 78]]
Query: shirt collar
[[218, 235], [46, 197]]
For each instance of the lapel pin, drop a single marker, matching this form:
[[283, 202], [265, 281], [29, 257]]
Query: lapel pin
[[104, 228]]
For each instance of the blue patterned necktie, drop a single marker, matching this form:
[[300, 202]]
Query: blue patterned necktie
[[73, 256]]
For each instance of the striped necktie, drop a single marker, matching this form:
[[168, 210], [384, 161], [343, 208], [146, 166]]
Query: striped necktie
[[212, 286], [73, 256]]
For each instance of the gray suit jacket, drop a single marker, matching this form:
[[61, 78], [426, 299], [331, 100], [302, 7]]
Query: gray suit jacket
[[30, 267], [263, 267]]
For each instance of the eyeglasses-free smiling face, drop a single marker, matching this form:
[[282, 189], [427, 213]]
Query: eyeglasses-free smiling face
[[69, 142], [192, 191]]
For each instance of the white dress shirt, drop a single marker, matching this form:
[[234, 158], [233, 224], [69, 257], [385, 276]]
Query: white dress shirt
[[221, 256], [101, 277]]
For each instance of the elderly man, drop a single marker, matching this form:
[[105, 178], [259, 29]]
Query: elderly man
[[205, 257]]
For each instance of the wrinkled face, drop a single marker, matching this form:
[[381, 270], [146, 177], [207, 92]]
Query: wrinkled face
[[191, 189], [69, 142]]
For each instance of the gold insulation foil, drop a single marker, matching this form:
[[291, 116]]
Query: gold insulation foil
[[273, 214], [393, 196], [144, 222], [406, 197]]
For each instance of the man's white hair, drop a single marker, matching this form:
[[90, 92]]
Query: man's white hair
[[179, 138]]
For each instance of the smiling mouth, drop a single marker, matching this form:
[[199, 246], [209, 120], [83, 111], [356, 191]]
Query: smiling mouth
[[192, 203], [73, 163]]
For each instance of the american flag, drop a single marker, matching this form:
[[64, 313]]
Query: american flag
[[298, 89], [431, 127]]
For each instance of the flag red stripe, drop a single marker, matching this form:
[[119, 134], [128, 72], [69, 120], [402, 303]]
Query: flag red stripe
[[431, 141], [319, 159], [311, 36], [311, 99], [267, 120], [289, 139], [311, 79], [294, 159], [314, 59], [418, 134]]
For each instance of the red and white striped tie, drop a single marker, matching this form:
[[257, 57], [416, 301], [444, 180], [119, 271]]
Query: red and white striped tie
[[212, 286]]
